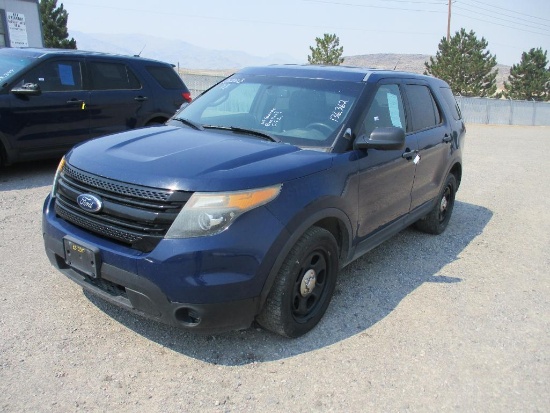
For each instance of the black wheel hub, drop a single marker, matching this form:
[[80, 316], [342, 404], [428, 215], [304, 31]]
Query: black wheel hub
[[444, 203], [309, 286]]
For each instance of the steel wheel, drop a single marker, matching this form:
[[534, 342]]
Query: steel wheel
[[438, 218], [310, 286], [304, 285], [446, 199]]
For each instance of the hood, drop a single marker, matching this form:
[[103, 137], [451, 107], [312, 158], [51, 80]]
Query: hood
[[180, 158]]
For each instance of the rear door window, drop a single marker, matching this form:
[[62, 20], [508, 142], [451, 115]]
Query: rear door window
[[425, 112], [112, 76]]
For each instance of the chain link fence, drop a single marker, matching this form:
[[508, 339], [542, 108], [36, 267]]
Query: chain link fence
[[474, 110], [199, 83], [504, 112]]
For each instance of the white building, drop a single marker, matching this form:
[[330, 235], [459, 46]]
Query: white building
[[20, 24]]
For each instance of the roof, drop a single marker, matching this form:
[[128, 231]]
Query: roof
[[343, 73], [40, 52]]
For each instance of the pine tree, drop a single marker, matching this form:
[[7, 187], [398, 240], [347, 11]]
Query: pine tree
[[54, 25], [465, 65], [327, 51], [530, 79]]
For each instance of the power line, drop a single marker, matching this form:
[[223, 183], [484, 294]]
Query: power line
[[457, 14], [506, 20], [383, 7], [502, 25], [501, 8], [242, 20], [433, 2]]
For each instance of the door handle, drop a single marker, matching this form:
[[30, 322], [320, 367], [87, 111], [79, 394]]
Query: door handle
[[447, 138], [141, 98], [74, 102], [409, 154]]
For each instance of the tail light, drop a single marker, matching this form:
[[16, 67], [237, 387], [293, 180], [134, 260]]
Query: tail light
[[187, 96]]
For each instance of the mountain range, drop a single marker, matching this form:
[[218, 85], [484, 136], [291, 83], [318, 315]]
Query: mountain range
[[175, 51]]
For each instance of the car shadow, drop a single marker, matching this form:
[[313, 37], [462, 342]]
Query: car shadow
[[27, 175], [367, 291]]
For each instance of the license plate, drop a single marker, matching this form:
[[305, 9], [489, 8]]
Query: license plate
[[82, 258]]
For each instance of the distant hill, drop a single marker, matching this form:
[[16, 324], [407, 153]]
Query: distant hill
[[408, 63], [405, 62], [190, 58]]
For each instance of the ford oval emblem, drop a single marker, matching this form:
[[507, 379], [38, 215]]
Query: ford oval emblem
[[89, 202]]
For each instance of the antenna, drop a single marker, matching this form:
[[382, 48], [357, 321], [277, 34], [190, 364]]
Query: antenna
[[396, 63], [139, 54]]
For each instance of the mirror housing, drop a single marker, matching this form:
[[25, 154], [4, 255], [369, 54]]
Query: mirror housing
[[28, 89], [385, 139]]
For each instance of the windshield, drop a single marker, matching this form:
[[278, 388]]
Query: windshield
[[12, 63], [298, 111]]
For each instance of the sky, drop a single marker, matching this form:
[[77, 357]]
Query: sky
[[264, 28]]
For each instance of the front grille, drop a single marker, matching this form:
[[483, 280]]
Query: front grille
[[116, 187], [133, 215]]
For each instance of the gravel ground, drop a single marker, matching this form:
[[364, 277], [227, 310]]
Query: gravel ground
[[457, 322]]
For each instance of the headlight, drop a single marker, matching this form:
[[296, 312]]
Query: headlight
[[56, 176], [208, 213]]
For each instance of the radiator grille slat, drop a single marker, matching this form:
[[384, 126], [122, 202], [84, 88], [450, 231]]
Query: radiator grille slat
[[134, 215]]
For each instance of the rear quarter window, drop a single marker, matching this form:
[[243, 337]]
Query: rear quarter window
[[450, 101], [166, 77]]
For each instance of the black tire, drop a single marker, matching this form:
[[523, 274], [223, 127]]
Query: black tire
[[304, 285], [2, 156], [154, 123], [438, 218]]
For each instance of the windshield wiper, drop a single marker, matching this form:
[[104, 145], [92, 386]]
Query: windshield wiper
[[190, 123], [259, 134]]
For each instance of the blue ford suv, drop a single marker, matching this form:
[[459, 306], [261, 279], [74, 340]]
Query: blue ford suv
[[247, 203]]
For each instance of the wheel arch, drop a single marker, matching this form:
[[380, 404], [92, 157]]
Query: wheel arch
[[333, 220], [456, 170], [156, 120]]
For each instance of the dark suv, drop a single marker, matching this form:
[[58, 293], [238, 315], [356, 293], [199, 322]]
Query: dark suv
[[52, 99], [246, 205]]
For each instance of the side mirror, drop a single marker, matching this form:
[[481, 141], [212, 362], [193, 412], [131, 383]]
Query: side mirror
[[384, 139], [28, 89]]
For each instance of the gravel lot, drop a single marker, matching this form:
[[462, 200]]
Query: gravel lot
[[457, 322]]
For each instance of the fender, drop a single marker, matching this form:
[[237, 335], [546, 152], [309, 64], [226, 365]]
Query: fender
[[297, 227]]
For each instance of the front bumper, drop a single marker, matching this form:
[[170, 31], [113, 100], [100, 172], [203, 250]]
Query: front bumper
[[213, 287]]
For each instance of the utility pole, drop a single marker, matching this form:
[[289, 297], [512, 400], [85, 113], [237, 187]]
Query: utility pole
[[449, 23]]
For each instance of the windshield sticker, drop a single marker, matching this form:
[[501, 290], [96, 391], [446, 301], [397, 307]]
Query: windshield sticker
[[393, 105], [272, 119], [7, 74], [338, 110], [228, 82]]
